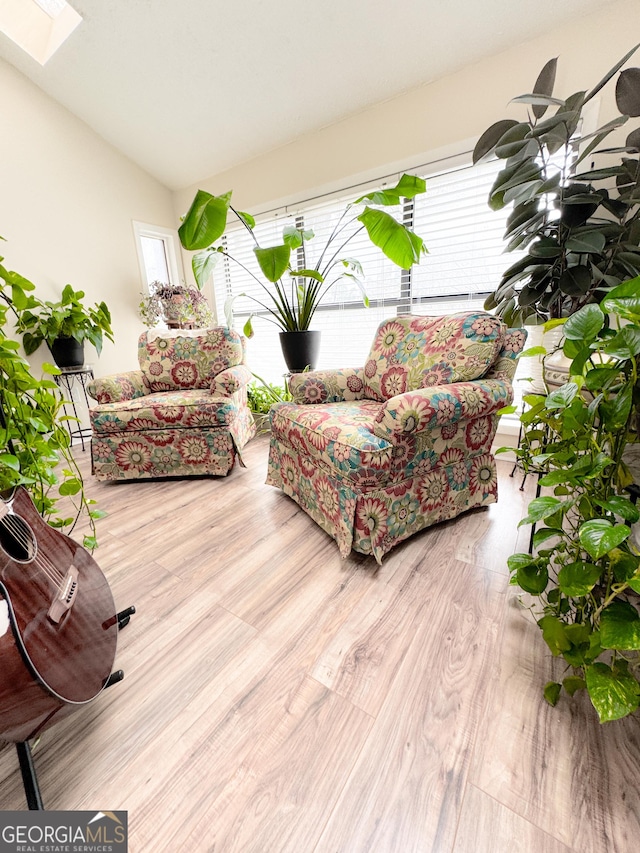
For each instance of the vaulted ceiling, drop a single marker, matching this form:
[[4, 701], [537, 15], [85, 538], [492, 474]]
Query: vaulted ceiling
[[189, 88]]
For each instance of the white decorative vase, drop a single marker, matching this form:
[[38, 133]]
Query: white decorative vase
[[555, 364]]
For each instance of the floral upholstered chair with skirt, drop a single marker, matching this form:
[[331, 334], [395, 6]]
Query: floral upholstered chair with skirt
[[183, 412], [375, 454]]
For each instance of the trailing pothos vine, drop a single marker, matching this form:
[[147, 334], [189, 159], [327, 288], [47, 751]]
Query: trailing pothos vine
[[583, 569], [35, 447]]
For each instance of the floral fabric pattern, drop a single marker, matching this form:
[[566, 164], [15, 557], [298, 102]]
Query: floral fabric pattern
[[178, 409], [327, 386], [183, 413], [170, 363], [118, 386], [373, 521], [412, 352], [445, 404], [162, 453], [231, 380], [373, 472]]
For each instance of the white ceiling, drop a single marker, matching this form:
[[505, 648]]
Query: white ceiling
[[189, 88]]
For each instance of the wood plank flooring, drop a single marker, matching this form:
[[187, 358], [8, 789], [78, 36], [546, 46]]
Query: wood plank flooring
[[279, 699]]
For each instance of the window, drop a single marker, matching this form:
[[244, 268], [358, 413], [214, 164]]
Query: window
[[158, 255], [39, 27], [464, 264]]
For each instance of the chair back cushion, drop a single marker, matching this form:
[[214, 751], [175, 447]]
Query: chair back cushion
[[182, 359], [416, 352]]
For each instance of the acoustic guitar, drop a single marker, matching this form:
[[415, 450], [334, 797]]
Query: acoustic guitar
[[58, 622]]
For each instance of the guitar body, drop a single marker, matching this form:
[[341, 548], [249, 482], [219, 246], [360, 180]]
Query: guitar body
[[58, 622]]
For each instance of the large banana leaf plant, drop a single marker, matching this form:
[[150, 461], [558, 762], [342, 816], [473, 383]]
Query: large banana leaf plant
[[579, 225], [291, 294]]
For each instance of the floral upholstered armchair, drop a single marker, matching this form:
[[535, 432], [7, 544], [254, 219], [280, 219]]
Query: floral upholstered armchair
[[184, 412], [376, 454]]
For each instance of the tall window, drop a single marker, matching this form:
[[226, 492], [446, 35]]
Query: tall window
[[464, 264], [158, 255]]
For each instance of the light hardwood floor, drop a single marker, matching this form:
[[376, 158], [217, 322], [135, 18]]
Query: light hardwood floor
[[278, 698]]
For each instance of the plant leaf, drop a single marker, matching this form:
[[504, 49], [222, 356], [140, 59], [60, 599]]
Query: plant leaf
[[408, 186], [610, 74], [202, 265], [624, 299], [613, 693], [544, 85], [621, 506], [491, 137], [598, 536], [562, 398], [205, 221], [628, 92], [247, 218], [554, 634], [585, 324], [575, 281], [398, 243], [620, 627], [592, 242], [552, 692], [578, 579], [273, 261], [537, 100], [573, 683], [540, 508]]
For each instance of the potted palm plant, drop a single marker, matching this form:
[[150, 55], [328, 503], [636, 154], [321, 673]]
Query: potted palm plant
[[292, 293], [64, 326]]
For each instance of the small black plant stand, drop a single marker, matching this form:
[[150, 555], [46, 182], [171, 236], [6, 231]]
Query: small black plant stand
[[66, 380]]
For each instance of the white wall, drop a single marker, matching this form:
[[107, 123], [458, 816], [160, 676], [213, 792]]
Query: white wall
[[66, 208], [435, 119]]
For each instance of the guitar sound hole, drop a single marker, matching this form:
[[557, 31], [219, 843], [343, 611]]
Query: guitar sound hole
[[17, 539]]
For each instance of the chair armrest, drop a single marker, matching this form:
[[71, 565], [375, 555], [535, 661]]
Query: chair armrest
[[430, 408], [506, 362], [327, 386], [228, 381], [118, 387]]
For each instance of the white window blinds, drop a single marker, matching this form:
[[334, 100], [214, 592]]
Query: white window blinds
[[465, 261]]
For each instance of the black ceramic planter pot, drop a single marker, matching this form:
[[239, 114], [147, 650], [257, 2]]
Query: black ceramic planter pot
[[67, 352], [300, 349]]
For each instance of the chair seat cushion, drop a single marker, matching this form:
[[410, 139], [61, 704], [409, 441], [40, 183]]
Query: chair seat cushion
[[335, 436], [339, 439], [164, 410]]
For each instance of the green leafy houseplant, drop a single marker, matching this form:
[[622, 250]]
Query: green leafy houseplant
[[177, 305], [34, 443], [45, 322], [292, 292], [261, 395], [583, 569], [580, 226]]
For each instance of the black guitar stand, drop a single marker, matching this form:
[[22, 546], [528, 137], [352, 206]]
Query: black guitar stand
[[27, 767]]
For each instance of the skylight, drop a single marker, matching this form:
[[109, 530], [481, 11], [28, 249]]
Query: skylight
[[38, 26]]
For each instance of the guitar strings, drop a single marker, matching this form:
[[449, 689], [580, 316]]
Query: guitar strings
[[15, 528]]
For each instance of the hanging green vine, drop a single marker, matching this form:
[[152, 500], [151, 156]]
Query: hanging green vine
[[583, 569], [35, 449]]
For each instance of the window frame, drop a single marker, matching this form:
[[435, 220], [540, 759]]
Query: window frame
[[169, 237]]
